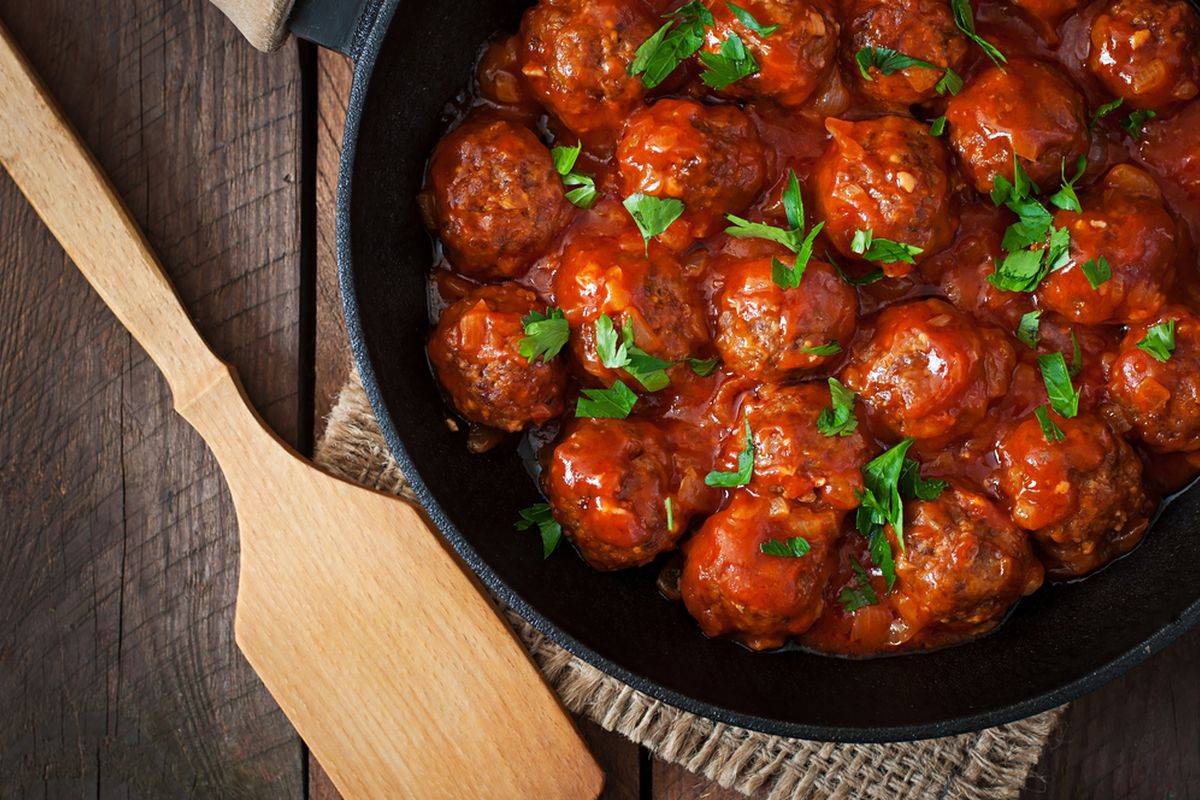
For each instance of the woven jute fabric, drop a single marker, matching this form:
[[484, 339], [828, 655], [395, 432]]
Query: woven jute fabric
[[989, 765]]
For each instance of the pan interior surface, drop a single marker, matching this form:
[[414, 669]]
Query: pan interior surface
[[1059, 643]]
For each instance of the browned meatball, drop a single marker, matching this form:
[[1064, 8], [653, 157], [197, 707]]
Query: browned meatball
[[608, 483], [475, 352], [1028, 106], [576, 58], [498, 203], [963, 565], [1159, 401], [1125, 223], [733, 588], [1171, 148], [889, 176], [1147, 51], [1081, 496], [793, 61], [710, 157], [602, 275], [767, 332], [929, 371], [922, 29]]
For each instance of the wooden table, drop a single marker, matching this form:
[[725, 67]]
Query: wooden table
[[119, 677]]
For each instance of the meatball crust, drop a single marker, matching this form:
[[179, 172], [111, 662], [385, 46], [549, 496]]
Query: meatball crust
[[793, 61], [766, 332], [963, 565], [1125, 223], [603, 275], [929, 371], [497, 201], [710, 157], [1082, 497], [1028, 107], [575, 59], [731, 587], [889, 176], [923, 27], [1171, 148], [1147, 51], [475, 351], [1159, 401]]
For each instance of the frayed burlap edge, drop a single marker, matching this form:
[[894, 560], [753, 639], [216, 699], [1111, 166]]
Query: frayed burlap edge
[[989, 765]]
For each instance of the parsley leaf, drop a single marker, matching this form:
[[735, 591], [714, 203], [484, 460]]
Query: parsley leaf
[[747, 19], [950, 82], [1064, 398], [1050, 428], [889, 61], [703, 367], [1159, 340], [670, 515], [608, 345], [912, 485], [745, 464], [794, 239], [545, 334], [854, 280], [1065, 198], [1023, 268], [881, 506], [675, 41], [1136, 120], [964, 17], [539, 514], [1027, 329], [1104, 110], [584, 192], [859, 596], [795, 547], [885, 251], [652, 215], [838, 418], [650, 371], [938, 126], [614, 402], [828, 349], [1097, 271], [731, 63]]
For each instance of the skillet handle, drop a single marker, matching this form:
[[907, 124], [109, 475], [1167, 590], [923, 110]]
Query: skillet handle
[[329, 23]]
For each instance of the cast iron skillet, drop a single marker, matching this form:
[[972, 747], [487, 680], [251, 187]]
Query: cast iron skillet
[[1058, 644]]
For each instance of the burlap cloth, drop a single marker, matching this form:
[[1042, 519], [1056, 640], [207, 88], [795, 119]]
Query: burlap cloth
[[989, 765]]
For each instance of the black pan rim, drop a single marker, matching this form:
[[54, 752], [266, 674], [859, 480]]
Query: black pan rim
[[369, 44]]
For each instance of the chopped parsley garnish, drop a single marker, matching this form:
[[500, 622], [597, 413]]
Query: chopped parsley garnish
[[913, 485], [614, 402], [827, 349], [794, 547], [609, 347], [1050, 428], [747, 19], [670, 515], [1104, 110], [1035, 247], [885, 251], [652, 215], [677, 40], [1097, 271], [1065, 198], [838, 418], [881, 505], [545, 334], [582, 188], [889, 61], [794, 238], [1064, 398], [938, 126], [1027, 329], [1137, 120], [703, 366], [745, 466], [854, 280], [964, 17], [731, 63], [1159, 340], [539, 514], [623, 353], [860, 595]]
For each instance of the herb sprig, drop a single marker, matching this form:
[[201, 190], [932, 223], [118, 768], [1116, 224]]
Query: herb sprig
[[794, 238]]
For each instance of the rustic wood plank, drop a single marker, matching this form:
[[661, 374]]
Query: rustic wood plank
[[673, 782], [118, 671]]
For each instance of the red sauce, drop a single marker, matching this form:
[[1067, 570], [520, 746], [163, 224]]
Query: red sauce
[[930, 350]]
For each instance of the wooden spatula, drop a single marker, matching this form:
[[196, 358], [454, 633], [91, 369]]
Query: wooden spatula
[[383, 653]]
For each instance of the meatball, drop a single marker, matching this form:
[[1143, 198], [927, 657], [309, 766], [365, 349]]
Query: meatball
[[767, 332], [497, 201], [1125, 223], [1082, 496], [922, 28], [793, 61], [1171, 148], [731, 587], [1159, 401], [1147, 51], [929, 371], [1046, 14], [608, 483], [792, 458], [1028, 106], [710, 157], [576, 55], [604, 275], [889, 176], [475, 352], [963, 565]]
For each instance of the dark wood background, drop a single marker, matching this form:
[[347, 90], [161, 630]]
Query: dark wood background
[[119, 677]]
